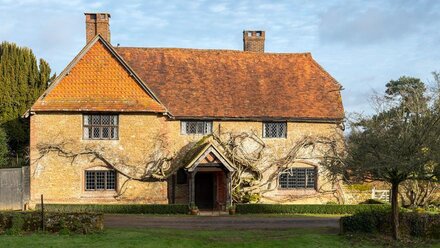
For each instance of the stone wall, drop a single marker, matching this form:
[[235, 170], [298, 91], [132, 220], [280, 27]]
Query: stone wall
[[62, 181]]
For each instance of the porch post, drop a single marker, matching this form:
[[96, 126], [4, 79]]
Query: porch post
[[229, 189], [191, 191]]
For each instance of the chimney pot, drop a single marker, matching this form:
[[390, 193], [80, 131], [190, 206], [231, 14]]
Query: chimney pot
[[253, 41], [97, 23]]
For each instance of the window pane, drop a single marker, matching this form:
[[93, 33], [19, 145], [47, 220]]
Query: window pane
[[114, 133], [87, 119], [105, 120], [90, 180], [105, 132], [96, 133], [200, 127], [96, 119], [114, 120], [100, 179], [208, 128], [111, 180], [311, 178], [87, 133]]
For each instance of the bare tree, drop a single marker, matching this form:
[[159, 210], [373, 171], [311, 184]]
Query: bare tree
[[399, 142]]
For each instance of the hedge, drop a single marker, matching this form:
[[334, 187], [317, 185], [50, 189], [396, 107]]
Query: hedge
[[25, 222], [306, 209], [118, 208], [410, 223]]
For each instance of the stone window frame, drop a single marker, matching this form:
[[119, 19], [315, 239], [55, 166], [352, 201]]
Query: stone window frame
[[106, 171], [89, 127], [315, 178], [278, 134], [207, 127]]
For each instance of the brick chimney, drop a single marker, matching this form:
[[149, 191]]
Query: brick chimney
[[97, 23], [253, 41]]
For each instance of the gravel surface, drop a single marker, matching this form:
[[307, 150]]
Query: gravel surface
[[219, 222]]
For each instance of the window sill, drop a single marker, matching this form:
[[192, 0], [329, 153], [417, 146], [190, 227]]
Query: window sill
[[99, 194], [194, 134], [298, 190]]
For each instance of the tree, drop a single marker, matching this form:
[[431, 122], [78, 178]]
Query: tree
[[4, 150], [399, 142], [22, 82]]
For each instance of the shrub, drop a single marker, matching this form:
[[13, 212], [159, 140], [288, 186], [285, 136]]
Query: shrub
[[410, 223], [373, 201], [306, 209], [118, 208], [19, 222]]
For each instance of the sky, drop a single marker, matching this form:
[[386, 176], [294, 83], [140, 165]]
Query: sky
[[362, 44]]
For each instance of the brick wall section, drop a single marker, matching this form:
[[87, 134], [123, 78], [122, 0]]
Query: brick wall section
[[63, 182]]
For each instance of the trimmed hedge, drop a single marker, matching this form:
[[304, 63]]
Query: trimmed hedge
[[410, 224], [307, 209], [118, 208], [23, 222]]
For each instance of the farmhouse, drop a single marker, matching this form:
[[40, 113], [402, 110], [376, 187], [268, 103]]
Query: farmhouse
[[192, 126]]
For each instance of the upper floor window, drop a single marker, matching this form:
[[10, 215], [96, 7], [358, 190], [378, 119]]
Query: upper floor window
[[100, 127], [274, 130], [196, 127], [100, 180], [298, 178]]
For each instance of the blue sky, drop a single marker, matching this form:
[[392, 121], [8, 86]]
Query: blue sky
[[363, 44]]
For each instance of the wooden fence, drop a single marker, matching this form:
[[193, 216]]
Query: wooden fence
[[14, 188]]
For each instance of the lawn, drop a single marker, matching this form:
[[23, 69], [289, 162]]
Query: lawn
[[136, 237]]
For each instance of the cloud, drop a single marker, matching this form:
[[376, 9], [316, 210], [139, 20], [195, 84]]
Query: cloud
[[377, 22]]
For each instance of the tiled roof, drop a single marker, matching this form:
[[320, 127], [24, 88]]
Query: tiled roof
[[97, 81], [233, 84]]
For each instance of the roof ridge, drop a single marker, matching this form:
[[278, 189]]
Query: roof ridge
[[212, 50]]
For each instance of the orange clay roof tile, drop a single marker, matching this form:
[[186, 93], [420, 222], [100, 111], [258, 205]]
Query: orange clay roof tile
[[98, 82], [234, 84]]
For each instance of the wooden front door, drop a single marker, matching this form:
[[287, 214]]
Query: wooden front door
[[204, 190]]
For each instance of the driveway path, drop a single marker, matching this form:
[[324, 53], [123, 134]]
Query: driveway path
[[219, 222]]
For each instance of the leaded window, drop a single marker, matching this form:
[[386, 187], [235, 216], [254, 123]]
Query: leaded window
[[298, 178], [100, 180], [100, 127], [274, 129], [196, 127]]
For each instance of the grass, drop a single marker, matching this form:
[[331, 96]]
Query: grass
[[137, 237]]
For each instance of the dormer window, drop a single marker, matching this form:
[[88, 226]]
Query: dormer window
[[100, 127], [196, 127], [274, 130]]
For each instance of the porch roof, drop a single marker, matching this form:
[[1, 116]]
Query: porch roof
[[201, 151]]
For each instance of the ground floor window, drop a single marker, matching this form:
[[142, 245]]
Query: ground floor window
[[100, 180], [298, 178]]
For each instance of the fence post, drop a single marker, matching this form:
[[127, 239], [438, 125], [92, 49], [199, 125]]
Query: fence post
[[42, 213]]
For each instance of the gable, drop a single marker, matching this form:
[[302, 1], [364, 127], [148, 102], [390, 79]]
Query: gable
[[208, 154], [97, 81]]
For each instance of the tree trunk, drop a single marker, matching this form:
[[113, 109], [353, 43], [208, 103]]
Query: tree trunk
[[395, 210]]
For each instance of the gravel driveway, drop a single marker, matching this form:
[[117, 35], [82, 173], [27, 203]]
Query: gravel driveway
[[219, 222]]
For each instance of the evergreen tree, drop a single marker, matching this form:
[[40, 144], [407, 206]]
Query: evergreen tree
[[22, 80], [4, 151]]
